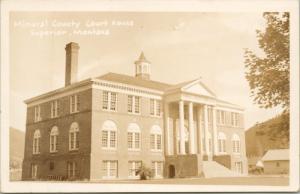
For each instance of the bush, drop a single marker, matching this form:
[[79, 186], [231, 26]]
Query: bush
[[144, 172]]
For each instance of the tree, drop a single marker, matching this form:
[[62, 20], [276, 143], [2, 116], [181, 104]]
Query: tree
[[268, 75], [144, 172]]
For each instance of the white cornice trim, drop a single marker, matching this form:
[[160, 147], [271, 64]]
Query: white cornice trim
[[126, 89], [128, 86], [54, 92], [229, 109], [94, 83], [54, 96]]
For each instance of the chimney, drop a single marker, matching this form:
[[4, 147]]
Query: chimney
[[71, 63]]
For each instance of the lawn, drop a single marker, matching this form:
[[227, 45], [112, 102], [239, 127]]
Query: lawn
[[251, 180]]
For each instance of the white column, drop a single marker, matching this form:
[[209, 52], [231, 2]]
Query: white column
[[215, 132], [191, 129], [181, 128], [206, 129], [167, 129], [200, 142], [175, 140]]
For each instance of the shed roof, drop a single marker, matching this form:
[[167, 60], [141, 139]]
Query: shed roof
[[276, 154]]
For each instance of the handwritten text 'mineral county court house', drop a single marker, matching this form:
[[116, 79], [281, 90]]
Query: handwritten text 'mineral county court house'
[[72, 23], [58, 28]]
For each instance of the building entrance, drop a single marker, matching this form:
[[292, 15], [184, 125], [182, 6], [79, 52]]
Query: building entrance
[[171, 171]]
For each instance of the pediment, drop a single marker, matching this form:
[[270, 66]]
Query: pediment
[[198, 88]]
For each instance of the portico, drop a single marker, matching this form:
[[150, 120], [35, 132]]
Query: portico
[[190, 126], [188, 129]]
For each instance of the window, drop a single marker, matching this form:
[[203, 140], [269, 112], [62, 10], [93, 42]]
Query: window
[[110, 168], [157, 169], [109, 135], [222, 142], [34, 169], [109, 101], [221, 117], [236, 147], [209, 114], [37, 113], [133, 137], [54, 109], [156, 138], [238, 167], [234, 119], [72, 169], [203, 144], [133, 166], [36, 142], [74, 136], [155, 107], [74, 104], [209, 142], [133, 104], [53, 139]]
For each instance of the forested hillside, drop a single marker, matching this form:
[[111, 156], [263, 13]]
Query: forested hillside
[[271, 134]]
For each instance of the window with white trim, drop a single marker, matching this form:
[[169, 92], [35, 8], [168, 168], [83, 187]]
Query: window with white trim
[[54, 109], [109, 135], [37, 113], [133, 105], [110, 168], [236, 144], [156, 138], [133, 167], [155, 107], [238, 167], [209, 114], [74, 137], [109, 101], [234, 118], [36, 142], [157, 169], [221, 117], [222, 142], [72, 169], [74, 104], [209, 142], [53, 139], [134, 137], [34, 169]]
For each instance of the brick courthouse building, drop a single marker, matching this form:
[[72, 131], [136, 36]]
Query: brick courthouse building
[[104, 127]]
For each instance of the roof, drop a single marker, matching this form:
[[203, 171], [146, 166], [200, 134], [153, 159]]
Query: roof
[[275, 155], [126, 79], [142, 58]]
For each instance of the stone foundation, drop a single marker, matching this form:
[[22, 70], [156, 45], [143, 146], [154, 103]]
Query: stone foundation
[[180, 166]]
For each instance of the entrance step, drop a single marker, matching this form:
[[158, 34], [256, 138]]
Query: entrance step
[[213, 169]]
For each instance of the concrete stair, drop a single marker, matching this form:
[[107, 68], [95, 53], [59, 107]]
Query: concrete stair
[[213, 169]]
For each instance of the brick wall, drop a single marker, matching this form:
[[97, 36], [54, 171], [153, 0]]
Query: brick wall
[[63, 122], [122, 119]]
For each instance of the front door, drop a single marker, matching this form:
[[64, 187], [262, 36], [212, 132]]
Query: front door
[[171, 171]]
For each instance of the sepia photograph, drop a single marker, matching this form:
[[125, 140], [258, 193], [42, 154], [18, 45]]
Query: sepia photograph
[[116, 97]]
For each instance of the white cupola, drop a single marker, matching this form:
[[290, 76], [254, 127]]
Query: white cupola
[[142, 67]]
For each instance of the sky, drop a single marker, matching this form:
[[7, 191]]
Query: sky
[[181, 46]]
